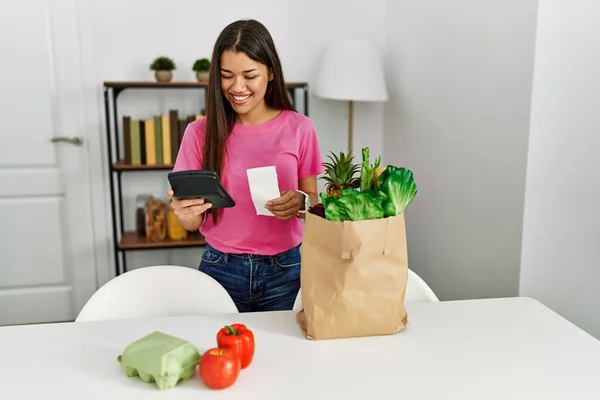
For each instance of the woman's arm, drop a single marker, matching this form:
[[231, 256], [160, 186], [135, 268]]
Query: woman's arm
[[189, 213], [193, 224], [310, 165], [309, 186]]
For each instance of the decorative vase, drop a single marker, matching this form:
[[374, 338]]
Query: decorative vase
[[163, 76], [202, 76]]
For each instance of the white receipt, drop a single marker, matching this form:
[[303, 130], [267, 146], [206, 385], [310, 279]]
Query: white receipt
[[263, 187]]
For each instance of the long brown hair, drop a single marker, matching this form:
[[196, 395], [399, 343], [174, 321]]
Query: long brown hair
[[252, 38]]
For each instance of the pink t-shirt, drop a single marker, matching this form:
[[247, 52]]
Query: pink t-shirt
[[289, 142]]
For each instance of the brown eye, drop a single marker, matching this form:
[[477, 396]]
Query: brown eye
[[226, 77], [250, 77]]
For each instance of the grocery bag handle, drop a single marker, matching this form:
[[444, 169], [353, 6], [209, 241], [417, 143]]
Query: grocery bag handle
[[350, 246]]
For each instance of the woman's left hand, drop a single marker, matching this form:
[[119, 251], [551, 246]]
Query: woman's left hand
[[288, 205]]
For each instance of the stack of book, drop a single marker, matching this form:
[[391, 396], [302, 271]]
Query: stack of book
[[154, 141]]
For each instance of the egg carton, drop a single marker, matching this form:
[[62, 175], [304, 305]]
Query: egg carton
[[161, 359]]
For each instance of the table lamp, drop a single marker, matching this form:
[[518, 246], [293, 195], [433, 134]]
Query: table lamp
[[351, 70]]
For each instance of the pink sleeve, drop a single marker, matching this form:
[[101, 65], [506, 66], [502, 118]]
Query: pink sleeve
[[311, 159], [190, 152]]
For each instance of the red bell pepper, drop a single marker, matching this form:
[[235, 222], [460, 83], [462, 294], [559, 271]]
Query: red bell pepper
[[240, 340]]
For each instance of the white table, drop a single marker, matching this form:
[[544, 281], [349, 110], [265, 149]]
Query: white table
[[486, 349]]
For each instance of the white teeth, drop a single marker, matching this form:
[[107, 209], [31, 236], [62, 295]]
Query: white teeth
[[241, 98]]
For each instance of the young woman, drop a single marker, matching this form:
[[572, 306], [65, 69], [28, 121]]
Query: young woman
[[250, 123]]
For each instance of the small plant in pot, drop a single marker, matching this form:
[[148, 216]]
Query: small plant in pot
[[163, 69], [202, 66]]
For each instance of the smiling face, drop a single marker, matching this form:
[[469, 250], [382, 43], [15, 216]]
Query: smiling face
[[244, 82]]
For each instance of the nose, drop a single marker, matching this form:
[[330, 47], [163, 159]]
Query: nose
[[238, 85]]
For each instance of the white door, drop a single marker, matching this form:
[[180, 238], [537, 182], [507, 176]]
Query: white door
[[47, 270]]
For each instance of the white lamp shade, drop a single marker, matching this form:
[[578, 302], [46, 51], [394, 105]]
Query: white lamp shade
[[351, 70]]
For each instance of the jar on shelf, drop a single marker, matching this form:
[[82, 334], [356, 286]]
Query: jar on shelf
[[140, 213], [156, 220], [174, 228]]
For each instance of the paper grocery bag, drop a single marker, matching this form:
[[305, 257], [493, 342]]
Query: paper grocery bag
[[353, 277]]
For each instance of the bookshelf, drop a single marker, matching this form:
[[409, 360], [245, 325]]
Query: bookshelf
[[124, 241]]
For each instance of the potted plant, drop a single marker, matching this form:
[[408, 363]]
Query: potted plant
[[202, 66], [163, 67]]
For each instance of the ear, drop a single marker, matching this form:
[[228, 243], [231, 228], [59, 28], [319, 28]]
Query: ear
[[270, 75]]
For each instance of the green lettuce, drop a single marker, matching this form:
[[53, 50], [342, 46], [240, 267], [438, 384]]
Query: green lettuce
[[387, 195], [352, 205], [399, 185], [389, 209], [390, 169]]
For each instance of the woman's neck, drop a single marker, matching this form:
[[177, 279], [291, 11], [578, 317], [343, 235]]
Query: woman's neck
[[259, 115]]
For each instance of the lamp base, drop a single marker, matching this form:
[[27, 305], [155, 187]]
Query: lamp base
[[350, 125]]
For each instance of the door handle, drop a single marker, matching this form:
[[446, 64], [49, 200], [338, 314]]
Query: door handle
[[77, 140]]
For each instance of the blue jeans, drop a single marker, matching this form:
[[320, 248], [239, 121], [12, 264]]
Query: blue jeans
[[255, 282]]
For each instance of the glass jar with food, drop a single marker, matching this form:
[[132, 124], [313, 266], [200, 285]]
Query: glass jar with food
[[156, 220], [140, 213], [174, 228]]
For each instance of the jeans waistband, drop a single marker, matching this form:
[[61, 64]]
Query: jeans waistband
[[250, 256]]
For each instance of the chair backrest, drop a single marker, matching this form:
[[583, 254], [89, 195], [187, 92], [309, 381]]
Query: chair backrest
[[298, 303], [158, 291], [416, 291]]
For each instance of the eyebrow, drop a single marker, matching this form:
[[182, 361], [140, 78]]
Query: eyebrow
[[245, 72]]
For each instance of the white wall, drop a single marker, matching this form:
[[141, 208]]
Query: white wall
[[125, 35], [561, 234], [460, 76]]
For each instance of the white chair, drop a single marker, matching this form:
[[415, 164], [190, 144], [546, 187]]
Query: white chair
[[298, 303], [417, 291], [158, 291]]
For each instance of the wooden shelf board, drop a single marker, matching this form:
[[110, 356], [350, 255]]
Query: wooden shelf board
[[152, 84], [133, 241], [121, 166], [175, 84]]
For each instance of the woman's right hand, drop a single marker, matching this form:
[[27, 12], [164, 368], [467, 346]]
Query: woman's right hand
[[188, 209]]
